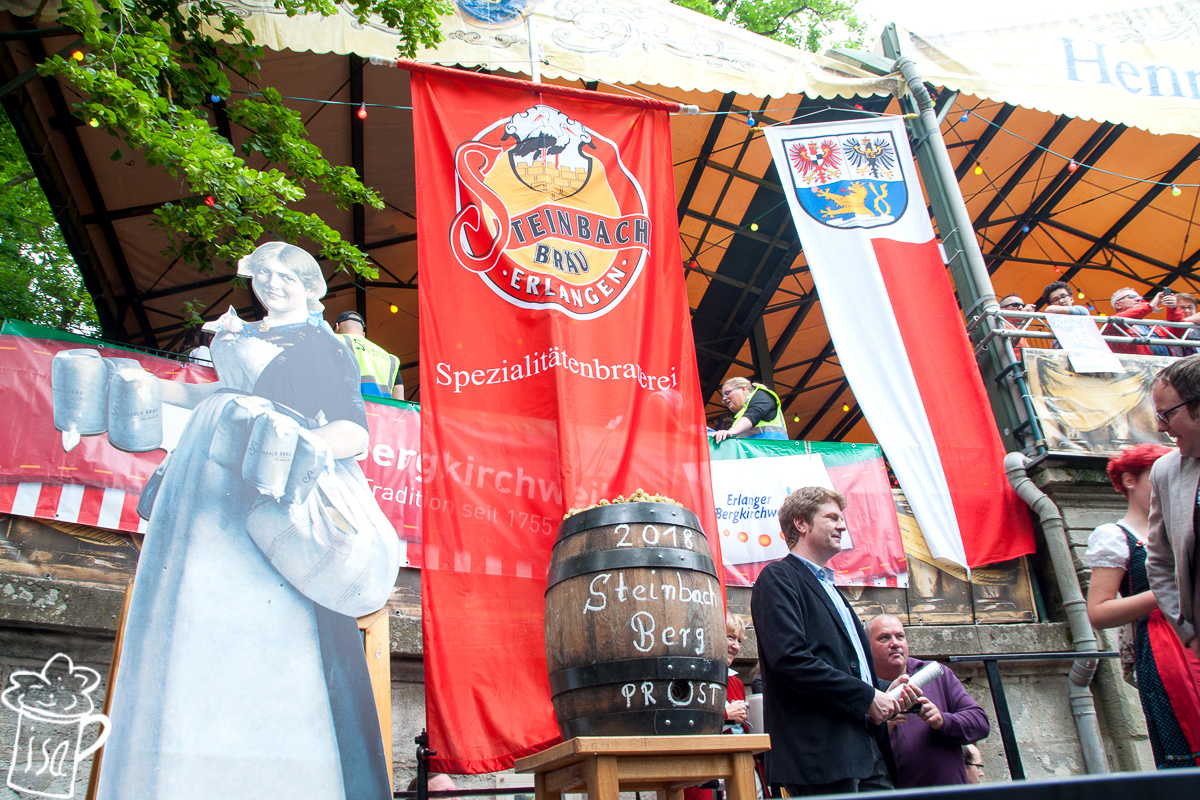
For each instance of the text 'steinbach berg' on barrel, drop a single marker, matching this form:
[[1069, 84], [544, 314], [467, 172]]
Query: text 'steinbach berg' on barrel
[[635, 624]]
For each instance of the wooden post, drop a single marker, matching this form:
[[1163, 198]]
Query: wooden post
[[376, 630]]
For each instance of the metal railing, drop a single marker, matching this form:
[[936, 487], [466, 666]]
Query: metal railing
[[1017, 325], [991, 665], [998, 335]]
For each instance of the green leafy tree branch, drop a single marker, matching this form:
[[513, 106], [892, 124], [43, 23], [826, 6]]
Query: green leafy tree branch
[[806, 24], [38, 279], [148, 73]]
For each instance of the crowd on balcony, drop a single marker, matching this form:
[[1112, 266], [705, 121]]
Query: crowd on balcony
[[1128, 305]]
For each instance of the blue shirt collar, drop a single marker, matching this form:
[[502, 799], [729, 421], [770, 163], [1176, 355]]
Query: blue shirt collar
[[823, 573]]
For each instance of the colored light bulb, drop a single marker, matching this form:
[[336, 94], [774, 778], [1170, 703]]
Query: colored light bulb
[[845, 406], [978, 170], [393, 308], [1175, 191], [362, 111], [753, 226], [77, 55], [210, 200], [964, 117], [1072, 166]]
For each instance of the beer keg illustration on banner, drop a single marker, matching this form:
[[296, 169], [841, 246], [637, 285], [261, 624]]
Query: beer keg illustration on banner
[[134, 407], [94, 395], [635, 623], [79, 382]]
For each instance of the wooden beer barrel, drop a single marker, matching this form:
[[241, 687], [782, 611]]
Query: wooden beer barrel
[[635, 624]]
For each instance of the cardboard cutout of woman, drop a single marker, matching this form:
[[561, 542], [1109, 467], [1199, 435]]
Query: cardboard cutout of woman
[[242, 670]]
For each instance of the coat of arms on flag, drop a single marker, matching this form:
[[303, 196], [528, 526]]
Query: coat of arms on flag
[[848, 181]]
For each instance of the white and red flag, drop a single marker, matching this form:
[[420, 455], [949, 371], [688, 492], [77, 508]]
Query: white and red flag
[[557, 369], [854, 195]]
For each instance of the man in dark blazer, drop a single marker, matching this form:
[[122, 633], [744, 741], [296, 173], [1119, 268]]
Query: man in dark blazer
[[820, 701], [1170, 551]]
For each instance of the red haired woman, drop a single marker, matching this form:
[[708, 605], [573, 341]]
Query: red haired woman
[[1168, 674]]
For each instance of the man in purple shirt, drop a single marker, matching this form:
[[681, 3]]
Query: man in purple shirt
[[927, 743]]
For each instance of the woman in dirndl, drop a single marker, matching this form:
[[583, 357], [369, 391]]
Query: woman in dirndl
[[1167, 674]]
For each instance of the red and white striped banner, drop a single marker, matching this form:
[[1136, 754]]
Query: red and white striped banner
[[83, 505]]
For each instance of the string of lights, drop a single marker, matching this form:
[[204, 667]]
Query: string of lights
[[1072, 164], [756, 123], [967, 113]]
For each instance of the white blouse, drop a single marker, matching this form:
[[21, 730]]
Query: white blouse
[[1107, 546]]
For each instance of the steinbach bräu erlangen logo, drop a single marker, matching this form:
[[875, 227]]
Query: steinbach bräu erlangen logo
[[849, 180], [548, 214]]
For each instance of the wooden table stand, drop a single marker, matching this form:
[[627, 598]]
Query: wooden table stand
[[605, 766]]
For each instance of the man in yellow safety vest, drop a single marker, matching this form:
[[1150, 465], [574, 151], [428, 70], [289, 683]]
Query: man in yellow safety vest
[[380, 369], [757, 413]]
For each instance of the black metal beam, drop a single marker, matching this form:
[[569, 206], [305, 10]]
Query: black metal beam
[[1042, 208], [95, 197], [824, 409], [983, 141], [710, 142], [358, 160], [826, 353], [793, 326], [1014, 180], [746, 176], [740, 229], [846, 425], [36, 33], [403, 238], [1113, 246], [1146, 199], [764, 365], [32, 135]]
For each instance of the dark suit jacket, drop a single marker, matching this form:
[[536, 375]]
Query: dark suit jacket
[[814, 703]]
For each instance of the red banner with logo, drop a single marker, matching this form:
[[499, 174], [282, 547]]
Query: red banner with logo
[[557, 369]]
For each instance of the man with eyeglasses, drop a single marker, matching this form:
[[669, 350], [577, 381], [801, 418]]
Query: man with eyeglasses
[[1059, 299], [1175, 479], [757, 412], [1127, 303]]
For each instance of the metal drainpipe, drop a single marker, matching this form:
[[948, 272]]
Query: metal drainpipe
[[1083, 704], [976, 272]]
